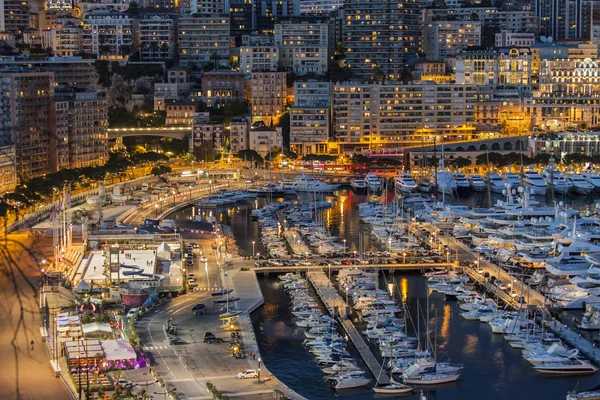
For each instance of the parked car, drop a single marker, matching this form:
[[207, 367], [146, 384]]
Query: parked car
[[249, 373], [132, 312], [199, 307], [192, 276], [203, 259]]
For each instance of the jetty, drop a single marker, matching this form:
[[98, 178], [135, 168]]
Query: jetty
[[334, 302]]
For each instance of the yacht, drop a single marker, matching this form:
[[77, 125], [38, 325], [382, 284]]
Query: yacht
[[513, 179], [445, 182], [556, 180], [593, 178], [373, 182], [424, 187], [304, 183], [404, 183], [358, 185], [535, 183], [477, 183], [497, 184], [580, 185], [591, 394], [566, 367], [349, 381], [462, 183]]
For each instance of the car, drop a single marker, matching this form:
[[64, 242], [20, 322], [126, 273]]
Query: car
[[211, 340], [247, 374], [203, 259], [175, 341], [480, 271], [199, 307], [346, 262], [132, 312], [500, 285], [191, 282], [192, 276]]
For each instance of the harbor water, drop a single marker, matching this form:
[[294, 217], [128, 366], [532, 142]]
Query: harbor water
[[492, 369]]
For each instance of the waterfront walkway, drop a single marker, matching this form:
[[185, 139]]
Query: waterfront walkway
[[334, 302], [568, 335]]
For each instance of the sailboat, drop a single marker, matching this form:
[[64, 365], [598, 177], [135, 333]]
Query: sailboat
[[228, 314]]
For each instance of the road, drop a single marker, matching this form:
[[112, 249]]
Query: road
[[26, 374]]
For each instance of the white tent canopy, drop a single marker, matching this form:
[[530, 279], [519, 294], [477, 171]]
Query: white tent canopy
[[96, 327], [116, 350], [164, 251], [82, 287]]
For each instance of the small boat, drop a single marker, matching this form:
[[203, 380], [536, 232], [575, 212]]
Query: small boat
[[591, 394], [425, 187], [349, 382], [393, 388], [477, 183], [221, 292], [431, 379], [567, 367], [229, 315], [226, 300], [359, 185]]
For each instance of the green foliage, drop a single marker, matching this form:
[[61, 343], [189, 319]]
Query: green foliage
[[406, 76], [119, 117], [388, 162], [339, 74], [106, 69], [576, 159], [86, 318], [542, 158], [250, 155], [161, 170], [175, 146], [205, 152], [492, 158], [356, 159], [460, 162], [148, 157]]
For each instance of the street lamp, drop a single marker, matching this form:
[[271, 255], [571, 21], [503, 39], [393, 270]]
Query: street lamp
[[259, 360], [344, 245], [404, 258], [206, 270], [155, 210], [253, 242]]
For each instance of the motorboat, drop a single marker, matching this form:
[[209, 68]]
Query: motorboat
[[349, 382], [462, 183], [566, 367], [304, 183], [229, 315], [512, 180], [404, 183], [554, 353], [495, 181], [477, 183], [591, 394], [221, 292], [431, 379], [373, 182], [593, 178], [358, 185], [444, 181], [424, 187], [556, 180], [580, 185], [393, 388], [534, 183]]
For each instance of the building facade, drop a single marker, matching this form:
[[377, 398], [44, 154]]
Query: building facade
[[108, 35], [157, 34], [220, 87], [238, 134], [514, 39], [203, 38], [65, 41], [381, 35], [263, 139], [443, 39], [303, 46], [395, 115], [180, 113], [267, 96], [310, 117], [204, 131], [259, 59], [8, 168], [506, 67]]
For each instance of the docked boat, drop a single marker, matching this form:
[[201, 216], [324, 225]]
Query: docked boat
[[404, 183], [593, 178], [566, 367], [229, 315], [349, 381], [462, 183], [556, 180], [358, 185], [591, 394], [495, 181], [373, 182], [393, 388], [534, 183], [512, 180], [431, 379], [444, 181], [304, 183], [477, 183], [579, 184], [424, 187], [221, 292]]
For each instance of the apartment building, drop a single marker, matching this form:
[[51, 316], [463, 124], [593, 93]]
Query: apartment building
[[14, 15], [381, 35], [108, 35], [505, 67], [319, 7], [220, 87], [443, 39], [267, 96], [68, 71], [238, 134], [65, 41], [157, 34], [203, 38], [263, 139], [204, 131], [514, 39], [303, 46], [25, 98], [8, 168], [180, 112], [259, 59], [310, 117], [396, 115], [86, 114]]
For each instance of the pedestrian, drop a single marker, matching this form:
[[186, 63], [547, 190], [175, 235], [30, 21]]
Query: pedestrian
[[253, 354], [32, 345]]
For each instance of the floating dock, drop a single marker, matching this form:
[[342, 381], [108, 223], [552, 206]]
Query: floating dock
[[332, 300]]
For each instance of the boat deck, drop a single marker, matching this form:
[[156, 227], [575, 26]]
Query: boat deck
[[574, 339], [334, 302]]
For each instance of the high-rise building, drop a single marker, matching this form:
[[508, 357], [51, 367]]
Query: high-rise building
[[381, 35], [443, 39], [238, 135], [303, 46], [86, 114], [68, 71], [259, 59], [320, 7], [25, 99], [240, 19], [395, 115], [8, 168], [14, 15], [203, 38], [65, 41], [564, 19], [310, 117], [267, 96], [157, 33], [267, 12], [108, 34]]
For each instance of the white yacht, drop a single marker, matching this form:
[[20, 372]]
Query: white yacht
[[445, 182], [358, 184], [462, 183], [497, 184], [373, 182], [404, 183], [513, 179], [349, 381], [534, 183], [477, 183], [580, 185], [566, 367], [555, 179], [593, 178], [304, 183]]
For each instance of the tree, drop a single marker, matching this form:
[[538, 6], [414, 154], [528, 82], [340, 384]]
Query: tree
[[432, 161], [542, 158], [250, 155], [356, 158], [205, 152], [493, 158], [161, 170], [576, 159], [460, 163], [406, 76]]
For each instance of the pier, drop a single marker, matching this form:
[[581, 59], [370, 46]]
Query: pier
[[334, 302], [576, 341], [393, 267]]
